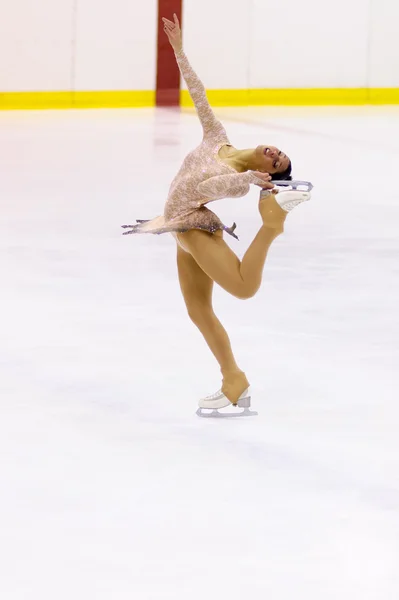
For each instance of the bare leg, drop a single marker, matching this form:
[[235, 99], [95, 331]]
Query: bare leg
[[197, 289], [240, 278]]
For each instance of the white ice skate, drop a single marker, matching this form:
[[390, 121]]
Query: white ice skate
[[290, 193], [213, 403]]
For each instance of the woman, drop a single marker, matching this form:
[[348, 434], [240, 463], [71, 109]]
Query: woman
[[213, 171]]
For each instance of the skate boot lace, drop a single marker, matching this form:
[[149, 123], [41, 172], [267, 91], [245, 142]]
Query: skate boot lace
[[290, 205], [214, 396]]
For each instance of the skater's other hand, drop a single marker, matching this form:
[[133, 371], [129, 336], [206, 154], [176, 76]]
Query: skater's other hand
[[173, 31]]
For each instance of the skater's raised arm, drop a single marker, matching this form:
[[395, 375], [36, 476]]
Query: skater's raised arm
[[209, 122], [233, 185]]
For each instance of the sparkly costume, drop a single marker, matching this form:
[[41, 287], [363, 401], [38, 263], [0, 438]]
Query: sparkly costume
[[203, 177]]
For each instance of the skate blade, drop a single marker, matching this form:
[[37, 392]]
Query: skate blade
[[295, 184], [215, 414]]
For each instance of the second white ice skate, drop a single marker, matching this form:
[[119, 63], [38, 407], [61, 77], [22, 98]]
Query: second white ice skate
[[209, 406], [290, 193]]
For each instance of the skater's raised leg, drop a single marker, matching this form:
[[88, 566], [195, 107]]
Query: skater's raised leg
[[240, 278]]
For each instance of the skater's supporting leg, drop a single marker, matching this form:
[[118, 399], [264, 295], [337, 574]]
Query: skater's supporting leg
[[240, 278], [197, 289]]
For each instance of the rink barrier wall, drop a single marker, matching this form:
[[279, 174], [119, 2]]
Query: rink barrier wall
[[137, 99]]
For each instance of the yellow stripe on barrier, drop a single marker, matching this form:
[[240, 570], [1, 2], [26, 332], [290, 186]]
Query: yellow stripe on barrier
[[384, 96], [254, 97], [298, 97], [65, 100]]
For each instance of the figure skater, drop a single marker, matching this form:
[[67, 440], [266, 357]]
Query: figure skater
[[213, 171]]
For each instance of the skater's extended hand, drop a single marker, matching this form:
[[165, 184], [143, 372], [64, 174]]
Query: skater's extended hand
[[265, 180], [172, 30]]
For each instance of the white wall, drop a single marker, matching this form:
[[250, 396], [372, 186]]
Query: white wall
[[306, 43], [116, 44], [216, 40], [384, 41], [111, 44], [35, 44], [77, 44], [309, 43]]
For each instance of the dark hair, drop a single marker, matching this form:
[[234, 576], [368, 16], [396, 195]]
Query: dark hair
[[285, 175]]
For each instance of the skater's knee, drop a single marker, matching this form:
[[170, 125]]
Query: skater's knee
[[245, 292], [199, 312]]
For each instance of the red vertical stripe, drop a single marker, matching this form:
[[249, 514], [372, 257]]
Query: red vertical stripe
[[168, 74]]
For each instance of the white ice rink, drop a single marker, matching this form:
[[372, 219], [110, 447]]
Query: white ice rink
[[110, 487]]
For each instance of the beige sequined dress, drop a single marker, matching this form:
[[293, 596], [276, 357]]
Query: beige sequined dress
[[203, 176]]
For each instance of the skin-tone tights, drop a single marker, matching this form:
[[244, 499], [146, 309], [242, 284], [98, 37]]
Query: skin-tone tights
[[205, 258]]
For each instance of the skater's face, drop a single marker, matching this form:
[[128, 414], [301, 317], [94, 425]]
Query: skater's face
[[270, 159]]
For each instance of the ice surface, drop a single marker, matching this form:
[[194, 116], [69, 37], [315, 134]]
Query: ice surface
[[111, 488]]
